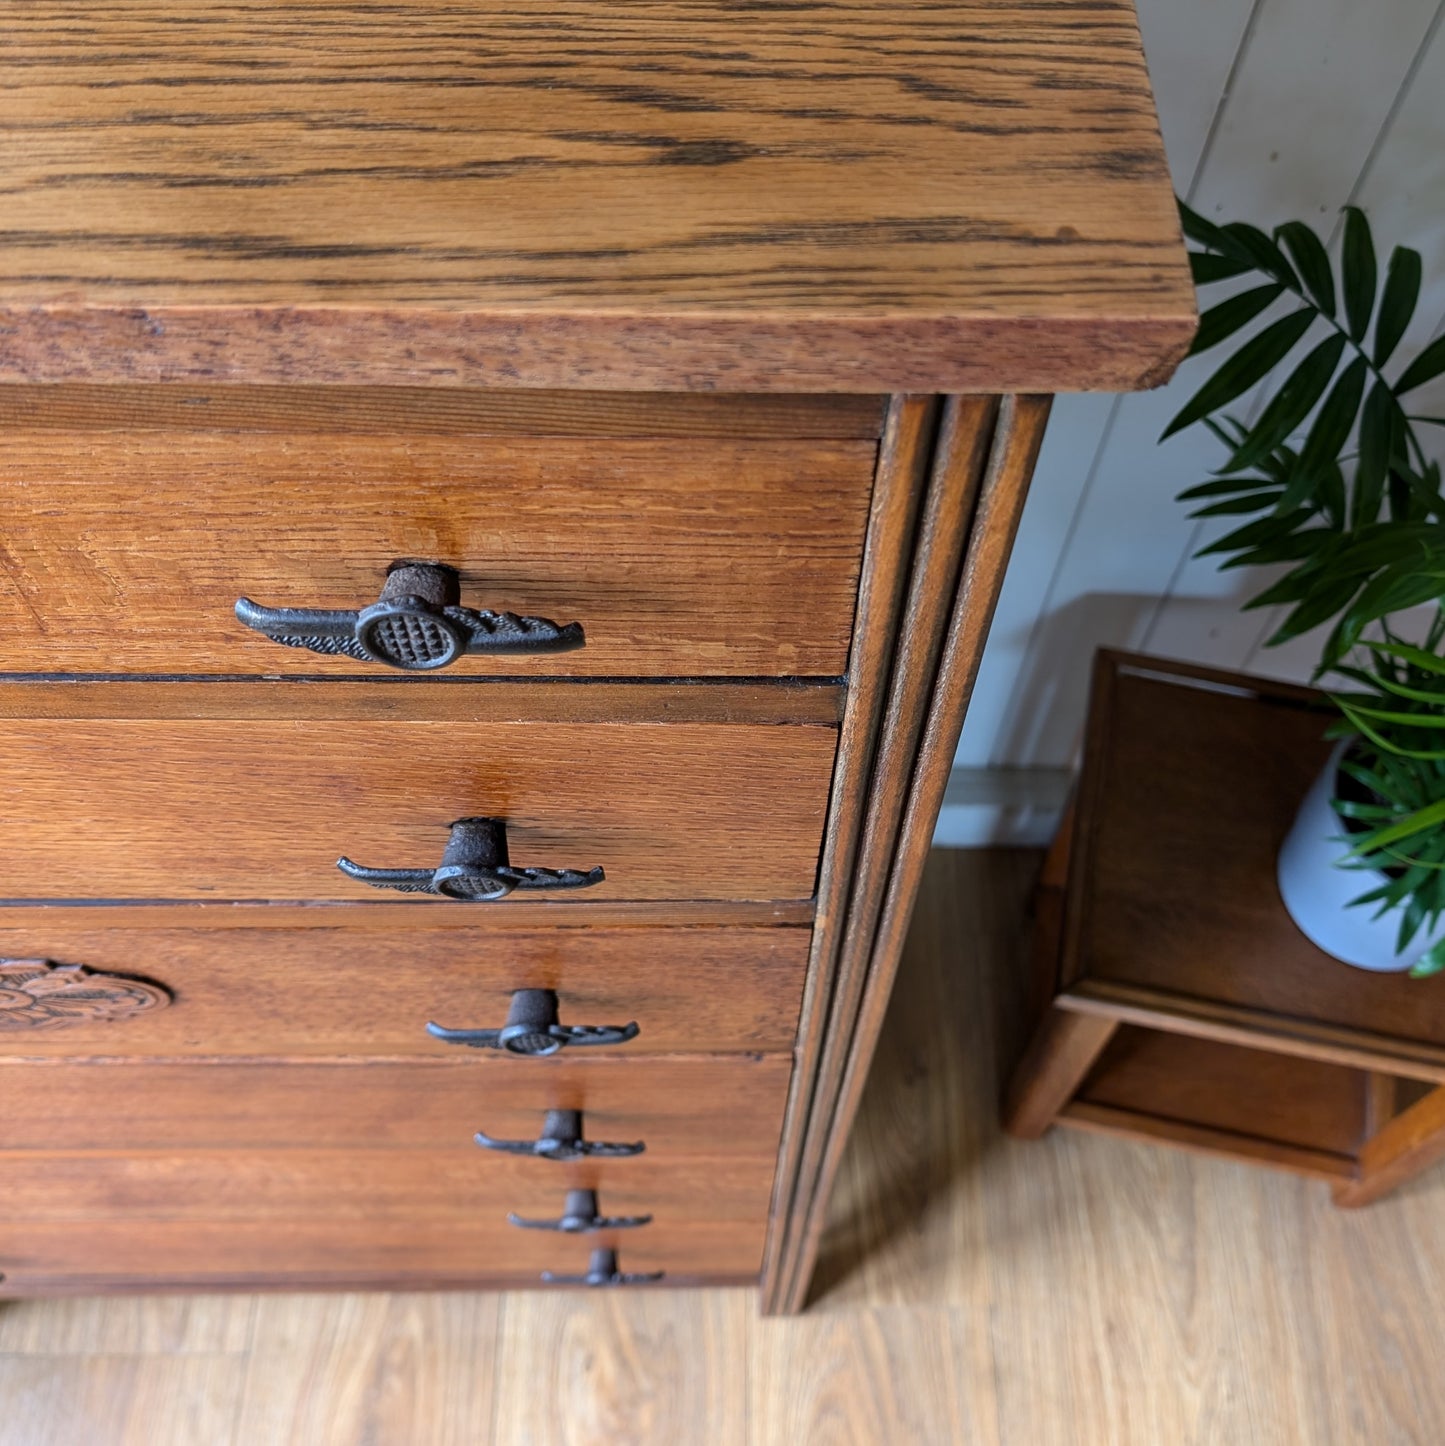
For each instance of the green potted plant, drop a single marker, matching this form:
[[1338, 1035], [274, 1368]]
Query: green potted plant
[[1332, 478]]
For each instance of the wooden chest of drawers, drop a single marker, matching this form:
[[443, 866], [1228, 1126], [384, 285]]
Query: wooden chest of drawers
[[495, 541]]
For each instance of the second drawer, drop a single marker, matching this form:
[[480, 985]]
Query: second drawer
[[355, 988], [176, 807]]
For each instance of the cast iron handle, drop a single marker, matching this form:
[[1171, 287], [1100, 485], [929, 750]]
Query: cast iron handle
[[532, 1028], [561, 1139], [602, 1270], [415, 624], [474, 868], [579, 1217]]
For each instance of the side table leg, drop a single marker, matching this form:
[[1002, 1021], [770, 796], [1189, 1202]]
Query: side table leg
[[1062, 1052], [1400, 1150]]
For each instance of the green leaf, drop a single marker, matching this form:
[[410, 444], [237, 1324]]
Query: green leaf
[[1426, 367], [1208, 267], [1409, 653], [1319, 607], [1293, 402], [1405, 585], [1331, 493], [1336, 419], [1291, 588], [1360, 272], [1413, 695], [1252, 534], [1431, 816], [1300, 491], [1237, 506], [1363, 726], [1287, 549], [1377, 426], [1224, 486], [1222, 321], [1250, 364], [1266, 256], [1405, 720], [1312, 261], [1430, 963], [1397, 304], [1198, 229]]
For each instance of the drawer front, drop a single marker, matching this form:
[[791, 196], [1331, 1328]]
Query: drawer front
[[38, 1258], [151, 1217], [356, 989], [727, 1108], [127, 552], [261, 809]]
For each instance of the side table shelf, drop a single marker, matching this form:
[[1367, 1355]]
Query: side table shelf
[[1180, 1004]]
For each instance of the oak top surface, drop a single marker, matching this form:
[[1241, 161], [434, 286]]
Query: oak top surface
[[676, 194]]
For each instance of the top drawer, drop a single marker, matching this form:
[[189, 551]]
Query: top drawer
[[690, 536]]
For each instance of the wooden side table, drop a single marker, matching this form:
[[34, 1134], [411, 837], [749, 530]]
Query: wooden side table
[[1182, 1004]]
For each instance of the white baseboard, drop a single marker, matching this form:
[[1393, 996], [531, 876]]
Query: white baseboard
[[1002, 807]]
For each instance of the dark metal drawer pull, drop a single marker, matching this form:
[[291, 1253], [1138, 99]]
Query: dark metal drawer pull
[[561, 1139], [532, 1028], [602, 1270], [415, 624], [579, 1217], [474, 868]]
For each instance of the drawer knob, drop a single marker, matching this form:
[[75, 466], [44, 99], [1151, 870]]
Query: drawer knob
[[474, 868], [561, 1139], [532, 1029], [415, 624], [38, 994], [579, 1217], [601, 1271]]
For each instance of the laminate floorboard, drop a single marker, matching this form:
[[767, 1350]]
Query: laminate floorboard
[[1077, 1291]]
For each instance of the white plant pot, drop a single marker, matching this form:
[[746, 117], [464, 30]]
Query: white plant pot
[[1317, 890]]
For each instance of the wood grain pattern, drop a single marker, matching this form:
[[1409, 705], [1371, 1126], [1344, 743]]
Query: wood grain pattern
[[1224, 1057], [430, 1186], [449, 1253], [896, 700], [198, 1218], [681, 1107], [372, 1368], [1206, 1301], [162, 809], [353, 990], [126, 552], [437, 411], [659, 196], [1132, 1124], [961, 594], [1059, 1056], [627, 1370], [1396, 1151], [1197, 913], [904, 456], [560, 916], [1223, 1087], [396, 696], [1232, 1024]]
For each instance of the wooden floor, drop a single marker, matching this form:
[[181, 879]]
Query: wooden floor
[[1079, 1291]]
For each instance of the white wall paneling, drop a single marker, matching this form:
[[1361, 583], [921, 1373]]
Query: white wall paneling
[[1270, 109]]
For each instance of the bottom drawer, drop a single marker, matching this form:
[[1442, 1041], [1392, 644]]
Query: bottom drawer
[[97, 1220]]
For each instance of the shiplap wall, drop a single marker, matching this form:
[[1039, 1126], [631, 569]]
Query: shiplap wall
[[1270, 109]]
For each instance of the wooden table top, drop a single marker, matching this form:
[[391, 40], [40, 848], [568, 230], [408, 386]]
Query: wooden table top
[[661, 194]]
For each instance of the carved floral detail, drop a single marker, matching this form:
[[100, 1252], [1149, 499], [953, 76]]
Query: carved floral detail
[[38, 994]]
